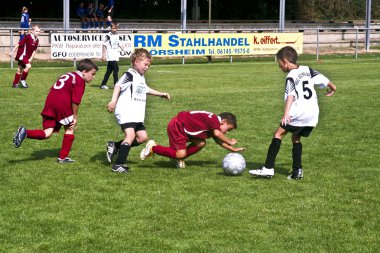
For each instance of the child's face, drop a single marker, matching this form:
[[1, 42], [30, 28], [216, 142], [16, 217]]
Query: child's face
[[36, 31], [283, 64], [88, 76], [225, 127], [142, 65], [114, 29]]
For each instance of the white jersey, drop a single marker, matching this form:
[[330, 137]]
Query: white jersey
[[130, 106], [300, 82], [112, 44]]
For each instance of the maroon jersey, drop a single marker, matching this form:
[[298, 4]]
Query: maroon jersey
[[67, 90], [199, 124], [26, 47]]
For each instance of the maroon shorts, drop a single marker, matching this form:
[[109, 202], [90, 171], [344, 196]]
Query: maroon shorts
[[51, 123], [176, 133], [23, 62]]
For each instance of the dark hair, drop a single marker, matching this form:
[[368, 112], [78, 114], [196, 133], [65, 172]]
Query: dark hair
[[87, 64], [287, 53], [229, 117]]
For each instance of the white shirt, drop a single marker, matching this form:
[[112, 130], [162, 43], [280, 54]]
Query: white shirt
[[130, 106], [112, 44], [300, 82]]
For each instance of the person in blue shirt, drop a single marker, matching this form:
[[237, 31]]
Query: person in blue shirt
[[99, 16], [81, 14], [110, 10], [24, 22], [90, 16]]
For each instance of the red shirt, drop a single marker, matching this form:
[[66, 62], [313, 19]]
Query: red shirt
[[199, 124], [26, 47], [67, 90]]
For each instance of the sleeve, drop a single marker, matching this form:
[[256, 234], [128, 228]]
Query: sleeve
[[106, 40], [78, 89], [319, 79], [290, 88], [125, 81]]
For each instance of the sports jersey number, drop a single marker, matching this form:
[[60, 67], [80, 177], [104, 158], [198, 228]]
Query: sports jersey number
[[306, 90], [61, 82]]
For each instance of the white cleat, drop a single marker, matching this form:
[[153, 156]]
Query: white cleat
[[148, 150], [263, 172], [179, 164]]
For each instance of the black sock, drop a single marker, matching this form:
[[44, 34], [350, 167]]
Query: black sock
[[273, 149], [297, 155], [135, 143], [118, 143], [123, 153]]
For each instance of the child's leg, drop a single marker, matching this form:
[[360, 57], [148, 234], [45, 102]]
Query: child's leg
[[125, 146], [67, 142], [297, 152], [274, 147], [115, 72], [107, 74], [195, 146], [17, 75]]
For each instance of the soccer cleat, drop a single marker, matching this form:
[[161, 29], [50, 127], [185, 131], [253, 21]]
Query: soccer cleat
[[120, 168], [104, 87], [15, 85], [111, 150], [296, 174], [65, 160], [263, 172], [148, 150], [24, 84], [19, 136], [179, 164]]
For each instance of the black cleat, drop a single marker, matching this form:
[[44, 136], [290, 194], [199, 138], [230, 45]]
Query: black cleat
[[120, 168], [111, 150], [296, 174], [19, 136]]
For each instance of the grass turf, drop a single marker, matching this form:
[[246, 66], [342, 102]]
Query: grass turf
[[84, 207]]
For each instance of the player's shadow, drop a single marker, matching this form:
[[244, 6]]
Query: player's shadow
[[39, 155], [101, 158], [167, 164]]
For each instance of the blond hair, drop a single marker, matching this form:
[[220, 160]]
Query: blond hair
[[140, 54]]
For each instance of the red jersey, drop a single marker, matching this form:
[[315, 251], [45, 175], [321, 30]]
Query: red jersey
[[26, 47], [67, 90], [199, 124]]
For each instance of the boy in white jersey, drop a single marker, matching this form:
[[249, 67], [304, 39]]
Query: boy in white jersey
[[128, 102], [301, 110]]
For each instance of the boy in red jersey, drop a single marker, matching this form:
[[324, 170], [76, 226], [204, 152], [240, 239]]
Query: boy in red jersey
[[61, 108], [194, 127], [26, 49]]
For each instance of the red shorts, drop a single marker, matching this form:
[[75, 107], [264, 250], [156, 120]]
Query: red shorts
[[23, 62], [50, 123], [176, 133]]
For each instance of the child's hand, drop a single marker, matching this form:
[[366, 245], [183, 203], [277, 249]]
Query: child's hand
[[285, 120], [330, 93], [233, 142], [111, 106], [165, 95]]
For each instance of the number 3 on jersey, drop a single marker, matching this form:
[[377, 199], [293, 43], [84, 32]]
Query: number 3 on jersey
[[61, 82]]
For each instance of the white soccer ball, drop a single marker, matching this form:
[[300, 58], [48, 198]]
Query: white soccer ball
[[234, 164]]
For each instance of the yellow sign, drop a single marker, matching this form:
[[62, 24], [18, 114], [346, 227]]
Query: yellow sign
[[217, 44]]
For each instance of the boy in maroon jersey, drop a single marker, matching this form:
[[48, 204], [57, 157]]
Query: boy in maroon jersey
[[61, 108], [194, 127], [26, 49]]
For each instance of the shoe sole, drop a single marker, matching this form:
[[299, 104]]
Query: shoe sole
[[17, 140]]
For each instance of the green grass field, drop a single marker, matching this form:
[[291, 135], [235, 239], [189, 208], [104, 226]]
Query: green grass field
[[84, 207]]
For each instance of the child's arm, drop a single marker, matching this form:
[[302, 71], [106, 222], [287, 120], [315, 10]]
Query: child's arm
[[75, 120], [14, 50], [331, 89], [286, 118], [225, 142], [104, 53], [160, 94], [115, 96]]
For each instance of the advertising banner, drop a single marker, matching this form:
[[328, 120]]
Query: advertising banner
[[89, 45]]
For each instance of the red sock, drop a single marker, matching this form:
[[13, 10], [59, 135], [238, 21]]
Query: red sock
[[24, 75], [17, 78], [67, 142], [35, 134], [165, 151], [191, 150]]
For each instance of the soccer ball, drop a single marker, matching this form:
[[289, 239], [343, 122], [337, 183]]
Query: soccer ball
[[233, 164]]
